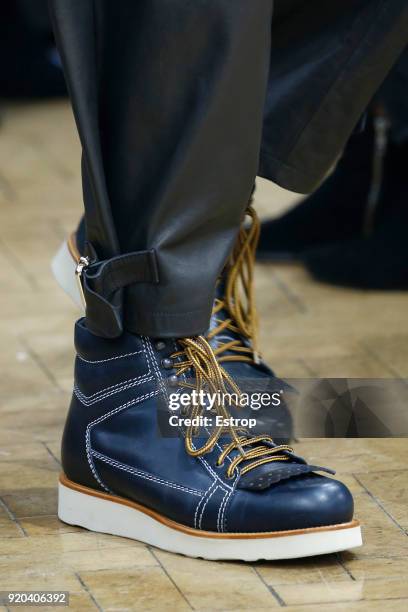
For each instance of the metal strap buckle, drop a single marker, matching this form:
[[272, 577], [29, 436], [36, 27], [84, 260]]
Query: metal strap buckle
[[82, 263]]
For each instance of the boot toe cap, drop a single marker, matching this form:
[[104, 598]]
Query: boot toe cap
[[297, 503]]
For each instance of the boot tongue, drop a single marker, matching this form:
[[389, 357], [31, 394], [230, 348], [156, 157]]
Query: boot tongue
[[269, 474], [221, 315], [265, 475]]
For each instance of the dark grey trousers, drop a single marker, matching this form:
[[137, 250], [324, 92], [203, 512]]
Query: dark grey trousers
[[179, 104]]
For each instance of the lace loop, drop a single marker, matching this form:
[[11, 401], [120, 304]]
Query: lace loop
[[238, 300]]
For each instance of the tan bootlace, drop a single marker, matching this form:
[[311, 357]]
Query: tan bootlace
[[197, 355], [239, 300]]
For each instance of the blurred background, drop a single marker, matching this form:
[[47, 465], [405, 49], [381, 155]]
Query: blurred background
[[331, 284]]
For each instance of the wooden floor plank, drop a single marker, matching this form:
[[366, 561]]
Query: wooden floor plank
[[308, 329]]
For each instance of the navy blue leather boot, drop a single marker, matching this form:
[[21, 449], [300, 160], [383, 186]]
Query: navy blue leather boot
[[135, 467]]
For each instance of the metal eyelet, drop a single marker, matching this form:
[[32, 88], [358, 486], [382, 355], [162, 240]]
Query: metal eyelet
[[167, 363], [160, 345], [173, 380], [219, 466]]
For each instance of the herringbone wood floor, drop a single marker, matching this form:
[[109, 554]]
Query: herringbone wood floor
[[307, 330]]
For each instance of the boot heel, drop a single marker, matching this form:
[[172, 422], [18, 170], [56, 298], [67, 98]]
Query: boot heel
[[82, 510], [63, 267]]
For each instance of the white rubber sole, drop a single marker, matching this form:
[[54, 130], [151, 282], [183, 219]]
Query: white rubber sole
[[104, 513], [63, 267]]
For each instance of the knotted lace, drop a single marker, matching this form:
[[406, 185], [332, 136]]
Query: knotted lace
[[238, 300], [197, 358]]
